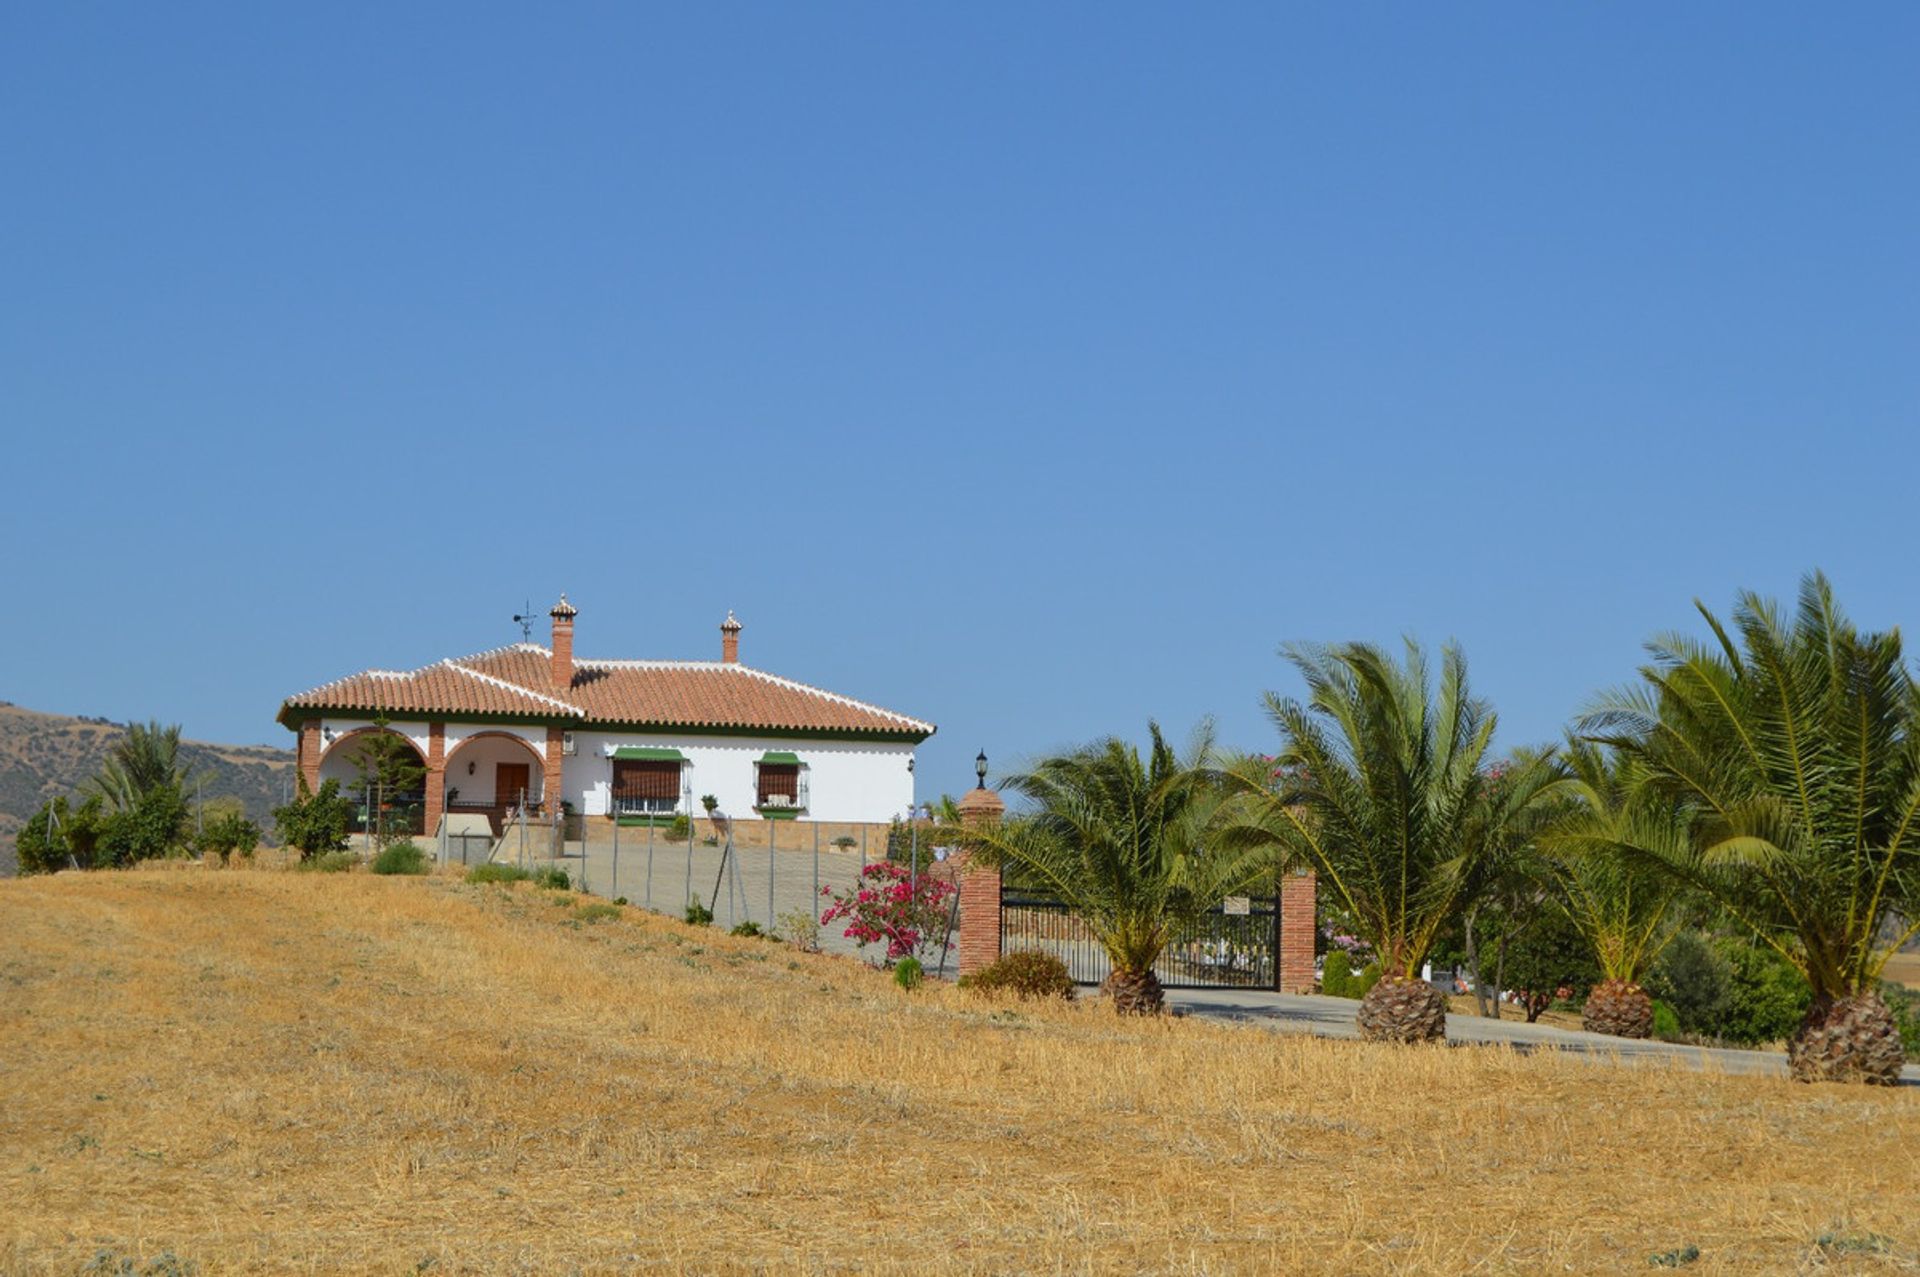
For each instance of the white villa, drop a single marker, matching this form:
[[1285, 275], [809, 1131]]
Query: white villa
[[634, 740]]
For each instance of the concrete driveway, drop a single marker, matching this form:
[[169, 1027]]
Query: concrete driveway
[[1333, 1018]]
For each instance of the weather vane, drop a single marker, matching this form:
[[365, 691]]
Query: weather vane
[[525, 621]]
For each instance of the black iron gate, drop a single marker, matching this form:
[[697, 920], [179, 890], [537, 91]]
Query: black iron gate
[[1236, 944]]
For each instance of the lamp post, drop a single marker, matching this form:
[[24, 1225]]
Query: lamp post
[[980, 769]]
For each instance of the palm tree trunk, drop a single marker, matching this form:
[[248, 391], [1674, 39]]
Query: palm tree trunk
[[1134, 991], [1403, 1009], [1850, 1038]]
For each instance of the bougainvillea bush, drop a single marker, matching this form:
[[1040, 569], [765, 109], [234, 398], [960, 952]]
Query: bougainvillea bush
[[887, 905]]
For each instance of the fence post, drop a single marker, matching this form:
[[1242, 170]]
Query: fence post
[[1298, 924], [649, 864], [616, 855], [979, 889]]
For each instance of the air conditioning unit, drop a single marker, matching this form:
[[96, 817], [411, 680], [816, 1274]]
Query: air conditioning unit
[[567, 746]]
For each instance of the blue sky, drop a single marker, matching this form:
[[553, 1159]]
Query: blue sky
[[1032, 369]]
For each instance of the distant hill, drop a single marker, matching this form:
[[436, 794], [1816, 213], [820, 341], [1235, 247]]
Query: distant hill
[[44, 755]]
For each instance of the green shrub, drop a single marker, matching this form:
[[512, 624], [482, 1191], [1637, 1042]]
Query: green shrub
[[1769, 995], [1336, 973], [1727, 989], [227, 833], [329, 862], [1363, 983], [747, 929], [66, 840], [1693, 979], [846, 842], [1666, 1025], [802, 928], [1027, 974], [908, 973], [680, 829], [492, 872], [553, 877], [698, 914], [598, 911], [400, 858], [1905, 1005], [314, 823], [621, 900]]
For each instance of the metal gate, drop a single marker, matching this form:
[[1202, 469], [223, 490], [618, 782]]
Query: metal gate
[[1236, 944]]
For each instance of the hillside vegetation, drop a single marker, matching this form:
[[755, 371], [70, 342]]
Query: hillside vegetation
[[45, 755], [264, 1071]]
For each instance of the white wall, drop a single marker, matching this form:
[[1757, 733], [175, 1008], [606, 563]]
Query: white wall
[[846, 780]]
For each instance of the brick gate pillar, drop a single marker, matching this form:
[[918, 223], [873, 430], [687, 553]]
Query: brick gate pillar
[[436, 776], [980, 889], [1299, 922]]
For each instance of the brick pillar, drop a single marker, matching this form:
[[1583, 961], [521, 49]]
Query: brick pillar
[[1298, 927], [551, 794], [979, 917], [436, 775], [979, 890], [307, 757]]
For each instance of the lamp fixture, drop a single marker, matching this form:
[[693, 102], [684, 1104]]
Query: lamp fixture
[[469, 767], [980, 768]]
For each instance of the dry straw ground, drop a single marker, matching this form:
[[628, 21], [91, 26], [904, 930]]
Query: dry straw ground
[[271, 1072]]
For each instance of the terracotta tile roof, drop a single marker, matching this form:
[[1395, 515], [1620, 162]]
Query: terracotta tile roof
[[688, 694]]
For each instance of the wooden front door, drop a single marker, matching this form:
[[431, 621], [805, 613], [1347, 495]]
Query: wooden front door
[[510, 780]]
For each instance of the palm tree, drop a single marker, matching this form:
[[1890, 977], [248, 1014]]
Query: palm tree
[[1121, 841], [1594, 846], [145, 759], [1799, 748], [1385, 787]]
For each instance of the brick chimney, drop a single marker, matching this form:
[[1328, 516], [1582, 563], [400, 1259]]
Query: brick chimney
[[730, 639], [563, 614]]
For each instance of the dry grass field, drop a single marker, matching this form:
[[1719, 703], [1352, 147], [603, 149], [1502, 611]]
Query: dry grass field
[[255, 1071]]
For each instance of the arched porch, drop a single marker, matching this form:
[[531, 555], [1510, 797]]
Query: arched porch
[[401, 808], [495, 774]]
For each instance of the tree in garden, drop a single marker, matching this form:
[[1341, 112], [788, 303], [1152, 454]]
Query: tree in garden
[[226, 832], [1125, 842], [388, 770], [1383, 787], [1508, 912], [314, 823], [1621, 906], [145, 759], [60, 836], [155, 825], [1797, 743], [1548, 958]]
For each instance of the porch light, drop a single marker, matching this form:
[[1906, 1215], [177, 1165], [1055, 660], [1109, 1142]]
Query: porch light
[[980, 768], [469, 767]]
